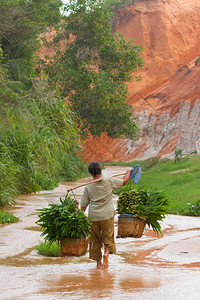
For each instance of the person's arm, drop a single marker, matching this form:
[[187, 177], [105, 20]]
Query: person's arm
[[84, 200], [126, 177]]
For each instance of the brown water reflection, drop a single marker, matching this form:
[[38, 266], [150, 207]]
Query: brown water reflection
[[151, 267], [95, 282], [137, 283], [100, 284]]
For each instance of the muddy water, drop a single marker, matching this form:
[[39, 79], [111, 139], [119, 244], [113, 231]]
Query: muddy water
[[164, 267]]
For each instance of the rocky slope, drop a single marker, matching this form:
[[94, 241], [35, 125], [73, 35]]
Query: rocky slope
[[167, 98]]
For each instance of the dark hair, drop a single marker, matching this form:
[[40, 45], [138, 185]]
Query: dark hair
[[94, 168]]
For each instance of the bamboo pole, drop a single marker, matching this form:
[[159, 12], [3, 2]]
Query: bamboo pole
[[93, 181]]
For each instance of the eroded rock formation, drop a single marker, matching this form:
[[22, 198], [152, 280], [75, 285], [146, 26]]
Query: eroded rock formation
[[167, 99]]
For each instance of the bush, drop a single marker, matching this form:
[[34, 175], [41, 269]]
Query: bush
[[150, 162], [194, 209], [7, 218]]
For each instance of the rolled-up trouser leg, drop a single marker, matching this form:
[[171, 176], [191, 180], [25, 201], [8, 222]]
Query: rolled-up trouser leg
[[108, 239], [102, 232], [95, 241]]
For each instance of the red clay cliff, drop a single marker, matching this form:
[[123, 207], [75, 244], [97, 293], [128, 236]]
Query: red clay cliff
[[167, 98]]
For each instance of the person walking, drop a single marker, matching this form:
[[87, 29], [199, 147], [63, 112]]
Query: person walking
[[98, 196]]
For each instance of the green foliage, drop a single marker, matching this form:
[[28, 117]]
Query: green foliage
[[178, 155], [193, 209], [7, 218], [63, 220], [8, 174], [38, 134], [180, 181], [94, 69], [149, 204], [49, 249], [21, 21], [115, 5], [149, 163], [38, 144]]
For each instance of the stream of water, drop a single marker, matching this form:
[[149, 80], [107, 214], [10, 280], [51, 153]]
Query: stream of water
[[150, 267]]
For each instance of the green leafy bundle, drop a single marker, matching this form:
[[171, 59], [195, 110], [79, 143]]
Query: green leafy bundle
[[63, 220], [149, 204]]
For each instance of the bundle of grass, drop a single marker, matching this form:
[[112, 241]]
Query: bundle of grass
[[66, 224], [148, 206]]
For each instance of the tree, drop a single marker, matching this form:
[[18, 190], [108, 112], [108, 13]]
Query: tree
[[38, 133], [21, 22], [93, 69]]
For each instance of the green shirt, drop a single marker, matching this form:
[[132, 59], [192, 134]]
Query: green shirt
[[98, 196]]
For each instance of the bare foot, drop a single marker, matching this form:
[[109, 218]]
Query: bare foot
[[99, 265], [105, 261]]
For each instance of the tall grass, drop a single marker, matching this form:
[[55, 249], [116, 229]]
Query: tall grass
[[179, 180], [49, 249], [8, 174], [38, 144]]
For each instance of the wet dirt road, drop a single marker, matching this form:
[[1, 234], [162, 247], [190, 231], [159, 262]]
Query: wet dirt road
[[164, 267]]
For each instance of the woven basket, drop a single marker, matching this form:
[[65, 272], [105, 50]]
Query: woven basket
[[129, 226], [75, 247]]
